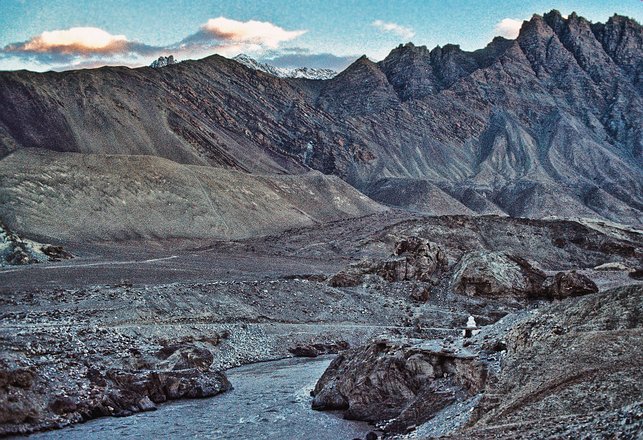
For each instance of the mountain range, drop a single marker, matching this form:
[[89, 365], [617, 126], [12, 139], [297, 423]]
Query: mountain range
[[548, 124]]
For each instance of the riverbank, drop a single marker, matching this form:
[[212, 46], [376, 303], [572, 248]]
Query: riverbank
[[270, 400]]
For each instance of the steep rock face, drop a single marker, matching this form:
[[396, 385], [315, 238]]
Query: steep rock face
[[403, 385], [556, 111], [622, 40]]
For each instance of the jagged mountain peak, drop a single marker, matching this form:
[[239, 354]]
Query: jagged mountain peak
[[163, 61]]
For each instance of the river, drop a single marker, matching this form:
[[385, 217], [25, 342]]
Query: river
[[270, 400]]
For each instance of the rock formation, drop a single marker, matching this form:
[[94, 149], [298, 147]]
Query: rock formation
[[529, 374], [567, 284], [401, 385], [163, 62], [493, 274], [15, 250], [413, 259]]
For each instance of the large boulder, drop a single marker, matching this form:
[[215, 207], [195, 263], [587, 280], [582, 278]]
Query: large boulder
[[496, 274], [185, 356]]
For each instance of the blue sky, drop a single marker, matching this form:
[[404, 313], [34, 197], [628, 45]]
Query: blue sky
[[327, 33]]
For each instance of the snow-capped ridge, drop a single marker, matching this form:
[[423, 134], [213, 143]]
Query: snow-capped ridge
[[282, 72]]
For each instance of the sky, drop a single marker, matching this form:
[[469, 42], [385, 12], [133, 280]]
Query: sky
[[43, 35]]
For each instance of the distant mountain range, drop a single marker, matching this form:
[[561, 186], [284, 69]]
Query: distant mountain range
[[546, 124], [282, 72]]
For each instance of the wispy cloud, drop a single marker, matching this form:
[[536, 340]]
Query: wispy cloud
[[92, 46], [508, 27], [394, 28]]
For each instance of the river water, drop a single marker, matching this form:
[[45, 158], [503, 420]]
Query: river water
[[270, 400]]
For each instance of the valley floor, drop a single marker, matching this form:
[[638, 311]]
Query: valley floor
[[125, 326]]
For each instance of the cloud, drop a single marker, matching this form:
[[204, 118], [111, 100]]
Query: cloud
[[92, 46], [400, 31], [229, 37], [75, 40], [261, 33], [73, 45], [508, 27]]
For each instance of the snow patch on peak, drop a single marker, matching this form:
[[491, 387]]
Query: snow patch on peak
[[282, 72]]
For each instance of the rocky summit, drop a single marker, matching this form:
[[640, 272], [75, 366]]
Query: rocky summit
[[439, 244]]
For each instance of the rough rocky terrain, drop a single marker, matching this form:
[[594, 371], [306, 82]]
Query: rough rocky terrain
[[89, 341], [546, 124], [567, 370]]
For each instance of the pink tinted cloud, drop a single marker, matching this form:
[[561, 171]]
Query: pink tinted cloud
[[78, 40], [261, 33]]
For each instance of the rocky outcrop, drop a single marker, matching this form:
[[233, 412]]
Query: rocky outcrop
[[163, 62], [15, 250], [413, 259], [403, 385], [567, 284], [496, 274], [129, 392], [418, 259], [185, 356], [34, 396]]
